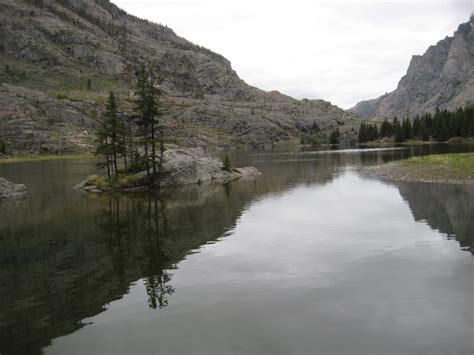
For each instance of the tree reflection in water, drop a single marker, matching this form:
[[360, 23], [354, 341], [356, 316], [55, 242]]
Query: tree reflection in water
[[123, 220]]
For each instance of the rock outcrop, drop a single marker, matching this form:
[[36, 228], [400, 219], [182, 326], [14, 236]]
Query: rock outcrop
[[9, 190], [181, 167], [442, 77], [60, 59], [196, 166]]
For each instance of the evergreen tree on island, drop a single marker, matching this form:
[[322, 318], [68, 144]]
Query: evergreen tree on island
[[148, 113], [109, 142]]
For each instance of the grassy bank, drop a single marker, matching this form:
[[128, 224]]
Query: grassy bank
[[444, 168], [32, 158], [445, 164]]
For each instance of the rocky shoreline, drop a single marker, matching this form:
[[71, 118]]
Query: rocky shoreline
[[181, 167], [9, 190]]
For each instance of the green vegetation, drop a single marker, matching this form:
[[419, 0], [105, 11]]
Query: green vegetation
[[148, 114], [109, 137], [334, 138], [3, 147], [309, 139], [226, 164], [60, 95], [121, 182], [14, 74], [64, 80], [446, 168], [115, 136], [446, 164], [440, 127], [314, 137], [33, 158]]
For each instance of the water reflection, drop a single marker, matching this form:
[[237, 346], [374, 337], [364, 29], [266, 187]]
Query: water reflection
[[446, 208], [127, 218], [78, 265], [299, 271]]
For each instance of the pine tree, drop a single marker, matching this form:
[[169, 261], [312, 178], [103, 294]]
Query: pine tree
[[440, 126], [334, 138], [416, 127], [407, 129], [315, 128], [386, 129], [148, 112], [109, 137], [373, 132], [469, 119], [89, 85], [226, 164], [362, 137], [116, 130], [423, 132], [102, 144], [399, 136], [457, 125], [129, 140]]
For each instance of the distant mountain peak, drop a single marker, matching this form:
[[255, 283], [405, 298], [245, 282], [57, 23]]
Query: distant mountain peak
[[442, 77]]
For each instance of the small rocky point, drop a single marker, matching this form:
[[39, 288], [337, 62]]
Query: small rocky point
[[10, 190], [181, 167]]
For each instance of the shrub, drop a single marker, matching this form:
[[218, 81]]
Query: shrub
[[226, 164], [3, 147], [61, 95]]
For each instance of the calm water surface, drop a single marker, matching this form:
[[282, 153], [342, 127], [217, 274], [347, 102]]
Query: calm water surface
[[311, 258]]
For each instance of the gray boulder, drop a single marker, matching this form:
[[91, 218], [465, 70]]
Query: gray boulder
[[10, 190], [196, 166]]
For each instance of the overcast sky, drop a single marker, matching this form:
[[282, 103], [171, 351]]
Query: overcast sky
[[341, 51]]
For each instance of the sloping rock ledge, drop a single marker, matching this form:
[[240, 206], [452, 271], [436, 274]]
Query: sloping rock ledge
[[10, 190], [180, 167]]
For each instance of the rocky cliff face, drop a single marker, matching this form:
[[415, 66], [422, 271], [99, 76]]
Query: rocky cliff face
[[60, 58], [442, 77]]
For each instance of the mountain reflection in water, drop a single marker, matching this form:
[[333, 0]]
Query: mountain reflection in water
[[446, 208]]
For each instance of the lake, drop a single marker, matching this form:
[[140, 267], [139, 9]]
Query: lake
[[313, 257]]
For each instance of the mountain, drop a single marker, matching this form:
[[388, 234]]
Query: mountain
[[442, 77], [60, 58]]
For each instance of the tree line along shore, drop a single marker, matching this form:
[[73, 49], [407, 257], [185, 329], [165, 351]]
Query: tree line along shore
[[441, 126]]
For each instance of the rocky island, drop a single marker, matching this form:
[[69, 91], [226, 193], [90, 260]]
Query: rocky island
[[180, 167]]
